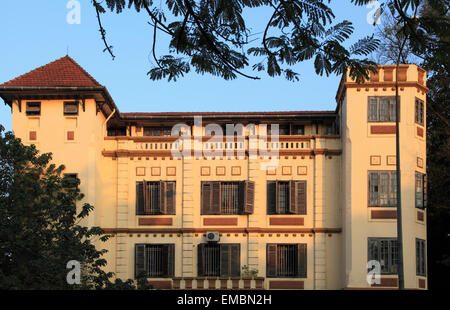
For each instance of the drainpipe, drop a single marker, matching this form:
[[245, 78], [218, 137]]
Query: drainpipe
[[314, 216]]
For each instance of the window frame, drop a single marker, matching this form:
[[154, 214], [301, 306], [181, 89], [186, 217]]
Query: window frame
[[391, 188], [75, 103], [379, 107], [303, 265], [300, 209], [421, 257], [33, 103], [220, 272], [116, 130], [390, 264], [170, 259], [419, 115], [423, 193], [163, 130], [214, 194], [163, 207]]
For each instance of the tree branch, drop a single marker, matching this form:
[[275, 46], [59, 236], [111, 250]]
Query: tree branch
[[103, 31], [211, 44]]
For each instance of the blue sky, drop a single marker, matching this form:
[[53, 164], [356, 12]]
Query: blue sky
[[35, 33]]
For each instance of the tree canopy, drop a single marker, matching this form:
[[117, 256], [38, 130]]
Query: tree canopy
[[40, 229], [212, 36]]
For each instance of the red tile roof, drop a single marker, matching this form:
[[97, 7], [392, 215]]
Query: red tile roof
[[225, 113], [63, 72]]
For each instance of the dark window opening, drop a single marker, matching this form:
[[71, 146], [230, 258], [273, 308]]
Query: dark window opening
[[71, 108], [117, 132], [157, 131], [298, 130], [33, 108], [419, 112], [70, 180]]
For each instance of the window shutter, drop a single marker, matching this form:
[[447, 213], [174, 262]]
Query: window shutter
[[271, 197], [249, 197], [162, 198], [301, 260], [277, 198], [168, 259], [300, 197], [216, 202], [225, 260], [271, 270], [206, 198], [139, 198], [235, 257], [425, 191], [139, 260], [200, 261], [170, 197], [147, 201], [293, 205]]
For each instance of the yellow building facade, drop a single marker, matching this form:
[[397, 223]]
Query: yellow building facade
[[283, 200]]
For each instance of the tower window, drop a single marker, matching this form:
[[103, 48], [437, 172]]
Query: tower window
[[33, 108], [71, 108]]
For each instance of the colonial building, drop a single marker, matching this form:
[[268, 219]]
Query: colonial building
[[306, 208]]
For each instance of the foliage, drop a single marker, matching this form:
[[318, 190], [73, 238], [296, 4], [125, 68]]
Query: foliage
[[40, 229], [212, 36], [428, 41], [249, 273]]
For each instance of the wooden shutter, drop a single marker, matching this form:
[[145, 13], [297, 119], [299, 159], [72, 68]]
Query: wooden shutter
[[139, 260], [235, 256], [277, 198], [206, 198], [271, 197], [249, 197], [293, 206], [425, 191], [300, 197], [162, 198], [200, 262], [216, 200], [271, 269], [147, 200], [170, 197], [301, 260], [225, 260], [139, 198], [168, 259]]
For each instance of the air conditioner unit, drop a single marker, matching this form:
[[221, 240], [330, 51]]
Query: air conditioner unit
[[212, 236]]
